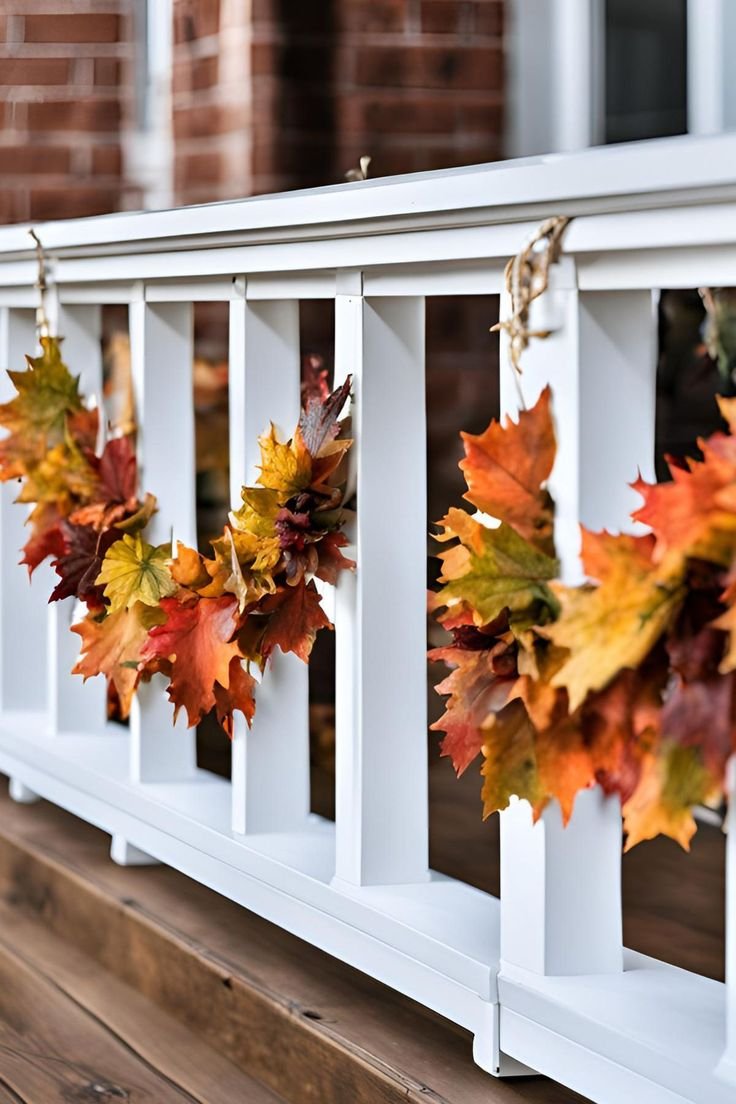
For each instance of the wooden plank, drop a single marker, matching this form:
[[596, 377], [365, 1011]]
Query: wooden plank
[[158, 1040], [51, 1049], [247, 988]]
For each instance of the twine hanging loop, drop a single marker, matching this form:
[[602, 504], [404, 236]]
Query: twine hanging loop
[[527, 277]]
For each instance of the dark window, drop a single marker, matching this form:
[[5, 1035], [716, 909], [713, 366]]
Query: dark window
[[645, 69]]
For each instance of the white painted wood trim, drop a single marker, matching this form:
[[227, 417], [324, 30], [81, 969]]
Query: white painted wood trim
[[161, 351], [270, 762], [24, 602], [381, 755]]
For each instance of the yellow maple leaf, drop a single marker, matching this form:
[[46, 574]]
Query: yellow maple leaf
[[285, 468], [258, 513], [673, 779], [509, 760], [135, 571], [615, 625]]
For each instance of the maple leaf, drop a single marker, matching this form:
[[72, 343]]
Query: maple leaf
[[196, 639], [135, 571], [258, 513], [621, 724], [699, 714], [285, 468], [295, 615], [695, 513], [188, 568], [476, 692], [673, 780], [36, 417], [330, 560], [616, 624], [506, 467], [509, 760], [494, 569], [47, 540], [111, 646], [80, 562], [318, 423], [115, 494], [239, 695]]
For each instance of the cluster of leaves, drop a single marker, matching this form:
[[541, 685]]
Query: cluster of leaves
[[201, 621], [627, 680]]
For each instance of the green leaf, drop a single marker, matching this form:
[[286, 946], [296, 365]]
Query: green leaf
[[502, 571]]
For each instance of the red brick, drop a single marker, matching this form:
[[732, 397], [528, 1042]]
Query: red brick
[[72, 202], [446, 16], [40, 71], [209, 119], [107, 160], [424, 115], [480, 118], [33, 159], [431, 67], [95, 116], [373, 16], [263, 12], [72, 28], [195, 19], [489, 17], [195, 74], [200, 168], [108, 72]]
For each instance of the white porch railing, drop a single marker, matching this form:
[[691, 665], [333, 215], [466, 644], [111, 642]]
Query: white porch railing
[[540, 976]]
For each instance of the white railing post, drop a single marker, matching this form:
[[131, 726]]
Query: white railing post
[[23, 661], [76, 705], [270, 763], [726, 1068], [161, 351], [561, 887], [381, 691]]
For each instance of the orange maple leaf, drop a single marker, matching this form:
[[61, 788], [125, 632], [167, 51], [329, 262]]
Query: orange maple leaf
[[112, 646], [506, 467], [196, 639]]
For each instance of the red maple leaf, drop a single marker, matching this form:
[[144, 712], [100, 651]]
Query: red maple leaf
[[295, 615], [238, 695]]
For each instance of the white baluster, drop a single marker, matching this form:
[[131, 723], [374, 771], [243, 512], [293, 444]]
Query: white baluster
[[381, 685], [270, 763], [161, 362], [727, 1066], [561, 888], [75, 705], [23, 661]]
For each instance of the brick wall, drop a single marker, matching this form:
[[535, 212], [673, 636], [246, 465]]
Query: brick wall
[[65, 92], [212, 100], [278, 94]]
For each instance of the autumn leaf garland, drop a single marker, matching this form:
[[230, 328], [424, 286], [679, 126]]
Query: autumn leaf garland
[[627, 681], [203, 622]]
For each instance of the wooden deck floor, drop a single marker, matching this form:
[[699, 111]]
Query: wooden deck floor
[[138, 984]]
